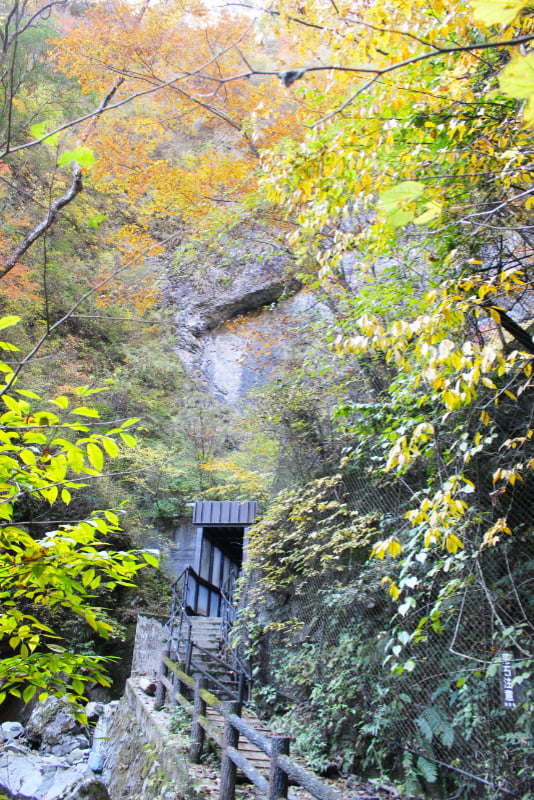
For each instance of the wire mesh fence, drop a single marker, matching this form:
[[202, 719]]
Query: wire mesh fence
[[436, 686], [380, 690]]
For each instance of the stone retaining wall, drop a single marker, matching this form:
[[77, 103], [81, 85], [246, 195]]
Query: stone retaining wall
[[144, 760]]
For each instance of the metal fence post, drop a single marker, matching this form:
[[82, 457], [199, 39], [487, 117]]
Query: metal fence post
[[228, 768], [278, 782]]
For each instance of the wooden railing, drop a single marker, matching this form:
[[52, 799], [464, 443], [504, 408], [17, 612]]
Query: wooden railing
[[282, 768]]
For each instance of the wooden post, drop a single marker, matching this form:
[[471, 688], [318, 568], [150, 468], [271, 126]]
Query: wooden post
[[182, 687], [228, 768], [277, 777], [159, 697], [197, 731]]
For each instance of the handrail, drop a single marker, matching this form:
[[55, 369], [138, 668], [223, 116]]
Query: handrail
[[228, 619], [275, 747], [180, 630]]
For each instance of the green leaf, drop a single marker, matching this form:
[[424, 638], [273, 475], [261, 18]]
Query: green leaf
[[50, 494], [517, 78], [128, 440], [427, 769], [78, 686], [94, 222], [6, 322], [432, 211], [85, 411], [61, 401], [393, 198], [95, 455], [110, 446], [111, 517], [88, 577], [82, 156], [39, 130], [28, 457], [150, 559], [11, 403], [28, 693], [425, 728]]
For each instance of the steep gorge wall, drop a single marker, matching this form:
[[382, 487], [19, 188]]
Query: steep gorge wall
[[236, 320]]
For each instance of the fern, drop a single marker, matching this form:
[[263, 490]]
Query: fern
[[425, 728], [412, 786], [434, 724], [427, 769]]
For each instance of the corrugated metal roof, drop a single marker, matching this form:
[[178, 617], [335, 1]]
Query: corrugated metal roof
[[224, 512]]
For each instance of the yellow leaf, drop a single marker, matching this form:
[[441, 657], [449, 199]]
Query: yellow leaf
[[528, 116], [517, 78], [394, 548], [453, 543], [497, 12]]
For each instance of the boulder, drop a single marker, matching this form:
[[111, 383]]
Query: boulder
[[11, 730], [89, 789], [93, 711], [54, 729], [38, 776]]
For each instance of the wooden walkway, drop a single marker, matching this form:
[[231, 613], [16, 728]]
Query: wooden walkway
[[261, 756], [250, 751]]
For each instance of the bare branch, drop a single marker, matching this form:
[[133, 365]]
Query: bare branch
[[35, 349], [75, 188]]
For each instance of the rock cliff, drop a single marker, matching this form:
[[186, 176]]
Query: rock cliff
[[234, 316]]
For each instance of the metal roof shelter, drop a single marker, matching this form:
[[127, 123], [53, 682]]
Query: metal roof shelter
[[219, 513], [214, 560]]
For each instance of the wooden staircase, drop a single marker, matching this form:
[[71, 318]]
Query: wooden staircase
[[207, 651], [253, 753], [207, 661]]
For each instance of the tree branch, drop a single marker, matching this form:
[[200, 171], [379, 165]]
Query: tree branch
[[78, 303], [75, 188], [519, 334]]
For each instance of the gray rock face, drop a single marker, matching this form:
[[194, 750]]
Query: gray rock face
[[36, 775], [89, 789], [236, 355], [252, 278], [53, 728]]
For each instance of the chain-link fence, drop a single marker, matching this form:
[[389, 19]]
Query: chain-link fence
[[433, 687]]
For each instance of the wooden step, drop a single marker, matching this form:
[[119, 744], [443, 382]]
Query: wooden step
[[257, 757]]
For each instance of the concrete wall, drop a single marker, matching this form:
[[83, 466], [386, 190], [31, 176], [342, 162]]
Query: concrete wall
[[151, 637], [183, 550]]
